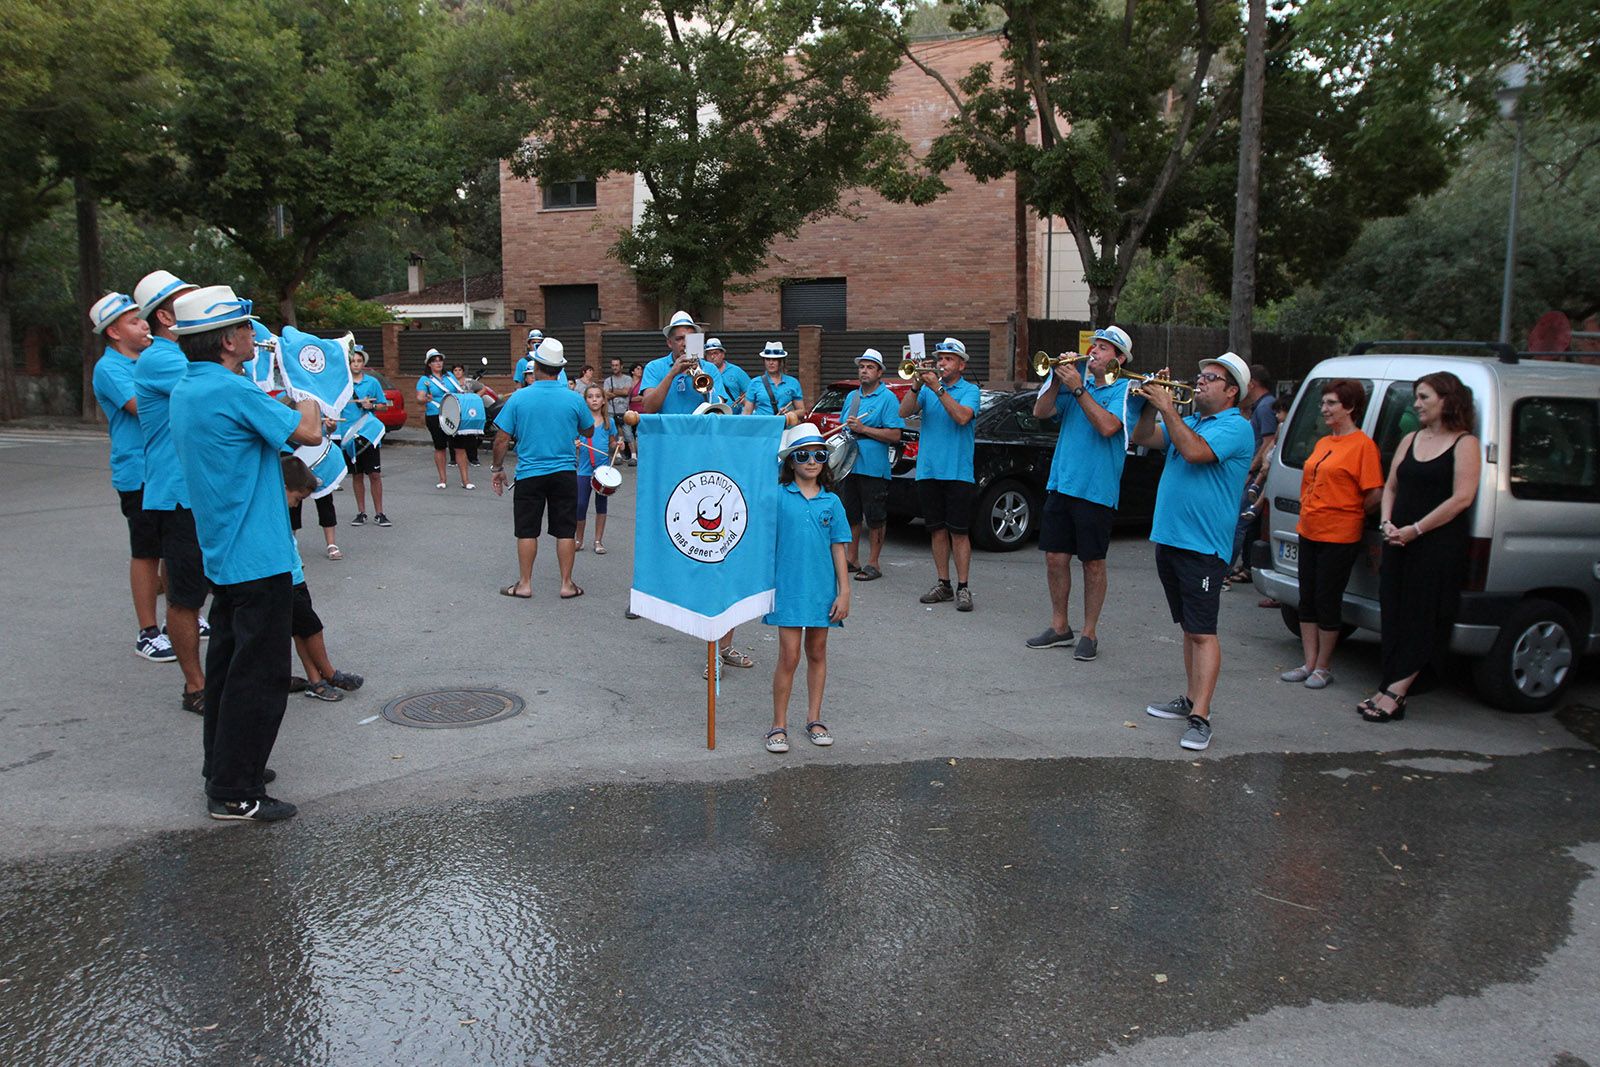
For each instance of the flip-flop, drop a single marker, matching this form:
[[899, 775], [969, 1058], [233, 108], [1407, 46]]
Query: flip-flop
[[570, 596], [511, 591], [868, 573]]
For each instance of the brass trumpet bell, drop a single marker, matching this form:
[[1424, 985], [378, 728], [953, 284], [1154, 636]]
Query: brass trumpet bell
[[909, 369], [1182, 392], [1044, 365], [701, 380]]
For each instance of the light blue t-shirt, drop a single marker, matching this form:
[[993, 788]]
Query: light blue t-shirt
[[681, 397], [229, 435], [156, 374], [368, 388], [735, 383], [786, 391], [601, 443], [879, 409], [1197, 505], [113, 388], [544, 418], [437, 389], [1087, 464], [944, 447], [806, 585], [522, 368]]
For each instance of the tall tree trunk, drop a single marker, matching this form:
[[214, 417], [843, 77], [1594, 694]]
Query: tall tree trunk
[[1103, 304], [1247, 212], [89, 263], [1016, 368], [286, 310], [9, 405]]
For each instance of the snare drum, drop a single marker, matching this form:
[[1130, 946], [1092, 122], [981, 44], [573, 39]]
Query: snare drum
[[461, 415], [606, 479], [362, 433], [326, 462]]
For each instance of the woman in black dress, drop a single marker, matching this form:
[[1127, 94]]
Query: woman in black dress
[[1433, 480]]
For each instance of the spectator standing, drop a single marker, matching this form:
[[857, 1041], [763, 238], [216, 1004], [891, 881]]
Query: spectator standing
[[618, 387]]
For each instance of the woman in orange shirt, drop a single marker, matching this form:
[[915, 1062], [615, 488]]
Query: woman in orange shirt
[[1341, 482]]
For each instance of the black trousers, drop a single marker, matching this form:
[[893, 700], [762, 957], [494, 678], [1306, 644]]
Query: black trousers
[[1325, 568], [247, 684]]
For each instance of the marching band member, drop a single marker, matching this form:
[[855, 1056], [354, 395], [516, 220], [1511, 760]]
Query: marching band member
[[156, 373], [1085, 483], [1197, 505], [945, 483], [872, 414], [433, 387], [366, 395], [116, 318], [465, 384], [668, 387], [521, 369], [599, 451], [227, 434], [544, 418], [735, 382], [774, 393]]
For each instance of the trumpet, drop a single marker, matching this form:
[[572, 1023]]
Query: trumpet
[[909, 369], [1182, 392], [701, 380], [1043, 365]]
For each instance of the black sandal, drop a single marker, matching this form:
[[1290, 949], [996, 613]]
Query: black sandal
[[1372, 713]]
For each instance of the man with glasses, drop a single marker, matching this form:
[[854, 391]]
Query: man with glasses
[[667, 387], [1208, 456], [945, 484], [228, 434], [1085, 483]]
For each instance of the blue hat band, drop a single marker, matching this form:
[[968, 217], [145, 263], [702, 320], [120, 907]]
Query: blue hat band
[[124, 303], [155, 301], [814, 439], [219, 314]]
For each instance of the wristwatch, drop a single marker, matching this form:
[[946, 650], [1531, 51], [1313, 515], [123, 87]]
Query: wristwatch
[[940, 391], [1076, 393], [497, 470]]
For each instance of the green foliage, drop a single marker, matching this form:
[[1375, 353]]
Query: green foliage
[[1171, 290], [330, 309]]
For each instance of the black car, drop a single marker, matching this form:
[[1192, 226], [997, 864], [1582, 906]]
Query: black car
[[1011, 463]]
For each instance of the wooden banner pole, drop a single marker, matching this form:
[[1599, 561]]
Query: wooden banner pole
[[711, 694]]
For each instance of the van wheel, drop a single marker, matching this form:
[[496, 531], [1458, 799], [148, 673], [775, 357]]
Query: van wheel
[[1531, 661], [1005, 517]]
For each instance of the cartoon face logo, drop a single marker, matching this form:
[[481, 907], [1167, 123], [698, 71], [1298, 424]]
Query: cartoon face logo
[[705, 516], [313, 358]]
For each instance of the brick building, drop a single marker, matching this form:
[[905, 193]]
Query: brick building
[[948, 266]]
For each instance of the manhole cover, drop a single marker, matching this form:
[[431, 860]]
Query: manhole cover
[[444, 708]]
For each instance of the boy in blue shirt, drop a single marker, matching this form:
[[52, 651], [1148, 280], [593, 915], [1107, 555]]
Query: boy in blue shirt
[[945, 483], [871, 415], [116, 317], [365, 395]]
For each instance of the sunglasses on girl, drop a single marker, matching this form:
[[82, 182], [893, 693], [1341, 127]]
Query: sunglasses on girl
[[803, 455]]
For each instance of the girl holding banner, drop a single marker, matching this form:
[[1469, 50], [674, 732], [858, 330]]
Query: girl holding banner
[[812, 588]]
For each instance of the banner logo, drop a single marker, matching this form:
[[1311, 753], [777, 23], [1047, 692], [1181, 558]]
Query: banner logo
[[312, 358], [706, 516]]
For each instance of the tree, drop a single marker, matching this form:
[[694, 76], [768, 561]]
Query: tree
[[300, 119], [743, 119], [1247, 212]]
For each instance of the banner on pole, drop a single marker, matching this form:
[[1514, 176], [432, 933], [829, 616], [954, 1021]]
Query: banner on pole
[[316, 368], [706, 532]]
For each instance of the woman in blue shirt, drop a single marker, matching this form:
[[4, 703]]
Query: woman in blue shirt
[[433, 387], [812, 587]]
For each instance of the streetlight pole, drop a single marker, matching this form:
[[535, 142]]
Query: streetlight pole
[[1513, 80]]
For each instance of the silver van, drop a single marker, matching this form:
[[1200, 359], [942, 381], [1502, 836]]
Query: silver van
[[1531, 604]]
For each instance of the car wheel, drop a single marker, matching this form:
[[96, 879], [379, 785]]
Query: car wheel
[[1005, 517], [1530, 663]]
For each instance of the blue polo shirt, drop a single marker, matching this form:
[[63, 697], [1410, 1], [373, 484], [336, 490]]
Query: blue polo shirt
[[786, 391], [1197, 505], [1086, 464], [367, 388], [735, 383], [437, 389], [229, 435], [879, 409], [156, 373], [807, 531], [522, 368], [944, 448], [113, 388], [681, 398], [601, 443], [544, 418]]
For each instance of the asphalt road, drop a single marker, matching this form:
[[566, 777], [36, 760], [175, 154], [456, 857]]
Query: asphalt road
[[1001, 859]]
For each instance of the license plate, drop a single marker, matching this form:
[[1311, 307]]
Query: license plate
[[1288, 552]]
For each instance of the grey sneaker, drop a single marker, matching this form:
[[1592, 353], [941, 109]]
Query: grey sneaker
[[1176, 708], [1319, 679], [1198, 735], [1052, 638], [940, 593], [383, 520], [1087, 649], [963, 599], [360, 519], [1299, 674]]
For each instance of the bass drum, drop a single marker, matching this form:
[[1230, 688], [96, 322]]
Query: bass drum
[[462, 414]]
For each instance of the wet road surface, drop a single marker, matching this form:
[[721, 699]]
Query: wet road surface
[[1004, 911]]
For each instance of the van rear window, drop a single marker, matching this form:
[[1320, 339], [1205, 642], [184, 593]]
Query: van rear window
[[1554, 446]]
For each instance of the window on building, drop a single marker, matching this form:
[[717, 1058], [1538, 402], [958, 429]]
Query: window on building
[[576, 193], [818, 302]]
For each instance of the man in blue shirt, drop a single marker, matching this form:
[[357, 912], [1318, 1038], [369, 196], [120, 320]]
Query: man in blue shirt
[[735, 382], [871, 415], [116, 318], [545, 418], [1085, 482], [1197, 503], [774, 393], [945, 483], [228, 434], [158, 371], [667, 387]]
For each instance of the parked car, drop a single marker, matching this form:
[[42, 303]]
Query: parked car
[[394, 416], [1531, 604], [828, 412]]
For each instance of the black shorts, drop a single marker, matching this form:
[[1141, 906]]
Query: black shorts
[[530, 495], [187, 584], [303, 620], [865, 497], [144, 530], [1193, 584], [368, 461], [1076, 526], [442, 440], [946, 505]]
